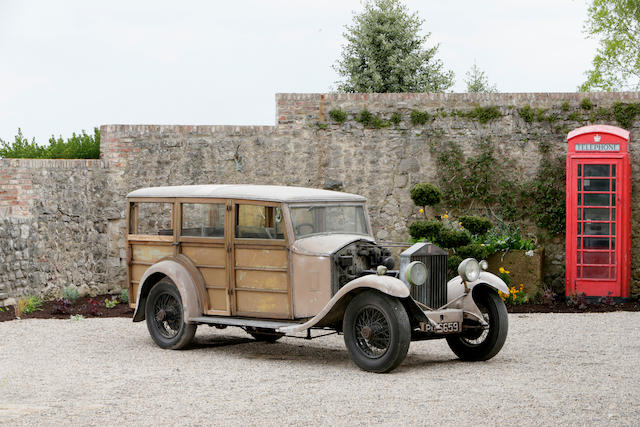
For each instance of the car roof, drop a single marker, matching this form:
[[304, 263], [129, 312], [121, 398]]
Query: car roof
[[272, 193]]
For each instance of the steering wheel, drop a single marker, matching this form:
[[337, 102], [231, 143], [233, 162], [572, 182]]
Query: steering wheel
[[298, 227]]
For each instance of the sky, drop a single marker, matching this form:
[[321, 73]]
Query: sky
[[71, 65]]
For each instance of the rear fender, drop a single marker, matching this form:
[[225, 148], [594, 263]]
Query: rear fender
[[187, 278], [333, 311]]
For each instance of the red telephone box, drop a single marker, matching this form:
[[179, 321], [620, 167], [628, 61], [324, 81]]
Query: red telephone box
[[598, 212]]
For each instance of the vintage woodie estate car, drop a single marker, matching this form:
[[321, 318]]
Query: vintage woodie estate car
[[291, 261]]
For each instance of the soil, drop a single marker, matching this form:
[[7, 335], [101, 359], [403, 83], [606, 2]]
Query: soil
[[563, 307], [84, 307]]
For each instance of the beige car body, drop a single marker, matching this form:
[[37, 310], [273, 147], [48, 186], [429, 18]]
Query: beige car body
[[287, 279]]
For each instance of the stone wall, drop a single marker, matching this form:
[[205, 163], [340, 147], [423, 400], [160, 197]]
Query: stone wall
[[83, 202], [56, 230]]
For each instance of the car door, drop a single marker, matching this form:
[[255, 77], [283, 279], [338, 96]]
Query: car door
[[259, 258]]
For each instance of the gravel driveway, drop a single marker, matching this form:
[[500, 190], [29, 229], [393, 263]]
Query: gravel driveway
[[554, 369]]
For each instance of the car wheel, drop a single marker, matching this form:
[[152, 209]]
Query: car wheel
[[377, 331], [165, 316], [482, 343], [266, 335]]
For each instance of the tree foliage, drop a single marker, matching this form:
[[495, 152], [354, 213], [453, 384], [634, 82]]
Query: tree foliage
[[616, 65], [385, 52], [82, 146], [477, 81]]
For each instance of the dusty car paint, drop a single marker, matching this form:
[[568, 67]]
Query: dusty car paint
[[386, 284], [187, 279]]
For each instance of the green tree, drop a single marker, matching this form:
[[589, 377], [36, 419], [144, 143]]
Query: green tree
[[616, 66], [386, 53], [477, 81]]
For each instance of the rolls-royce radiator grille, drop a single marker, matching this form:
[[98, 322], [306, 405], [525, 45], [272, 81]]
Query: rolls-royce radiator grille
[[434, 292]]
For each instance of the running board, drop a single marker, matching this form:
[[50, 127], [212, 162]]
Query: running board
[[239, 321]]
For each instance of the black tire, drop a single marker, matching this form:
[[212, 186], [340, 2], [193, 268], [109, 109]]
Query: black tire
[[266, 335], [377, 331], [165, 317], [482, 344]]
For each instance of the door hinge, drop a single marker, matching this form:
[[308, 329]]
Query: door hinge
[[228, 248], [230, 291], [228, 208]]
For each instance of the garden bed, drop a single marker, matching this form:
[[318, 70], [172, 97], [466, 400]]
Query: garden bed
[[82, 306]]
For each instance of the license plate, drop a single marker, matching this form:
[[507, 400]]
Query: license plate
[[441, 328]]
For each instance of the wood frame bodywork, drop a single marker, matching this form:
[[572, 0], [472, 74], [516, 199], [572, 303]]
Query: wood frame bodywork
[[242, 276]]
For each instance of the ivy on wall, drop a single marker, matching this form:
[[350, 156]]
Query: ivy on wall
[[477, 183]]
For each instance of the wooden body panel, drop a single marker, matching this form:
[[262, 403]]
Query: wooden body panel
[[242, 276]]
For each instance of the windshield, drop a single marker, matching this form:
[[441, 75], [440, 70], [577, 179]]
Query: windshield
[[334, 219]]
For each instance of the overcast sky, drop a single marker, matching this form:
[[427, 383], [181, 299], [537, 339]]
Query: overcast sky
[[72, 65]]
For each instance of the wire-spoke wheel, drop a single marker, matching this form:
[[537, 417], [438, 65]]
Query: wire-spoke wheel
[[377, 331], [478, 342], [165, 316]]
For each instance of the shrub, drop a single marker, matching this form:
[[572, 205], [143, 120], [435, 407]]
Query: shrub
[[452, 265], [82, 146], [586, 104], [61, 306], [527, 113], [448, 238], [124, 296], [475, 224], [28, 305], [429, 229], [425, 194], [110, 303], [338, 115], [483, 114], [419, 117], [396, 118], [70, 293], [473, 250]]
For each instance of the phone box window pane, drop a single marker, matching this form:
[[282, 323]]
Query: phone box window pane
[[596, 258], [597, 229], [596, 170], [596, 184], [596, 243], [203, 219], [596, 199], [154, 219], [596, 214], [595, 272]]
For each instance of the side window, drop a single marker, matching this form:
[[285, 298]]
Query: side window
[[203, 219], [151, 218], [259, 222]]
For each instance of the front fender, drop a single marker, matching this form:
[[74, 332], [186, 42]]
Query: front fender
[[335, 307], [184, 275], [455, 287]]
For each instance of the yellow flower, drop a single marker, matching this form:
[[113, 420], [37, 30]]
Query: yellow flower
[[446, 216], [501, 270], [521, 286], [507, 272], [421, 211]]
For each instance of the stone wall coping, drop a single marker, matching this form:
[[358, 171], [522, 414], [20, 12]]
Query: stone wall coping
[[52, 163], [142, 129], [497, 98]]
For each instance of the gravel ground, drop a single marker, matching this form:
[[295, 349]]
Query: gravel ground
[[554, 369]]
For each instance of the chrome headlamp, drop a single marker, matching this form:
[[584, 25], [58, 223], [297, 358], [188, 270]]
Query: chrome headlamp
[[469, 270], [416, 273]]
